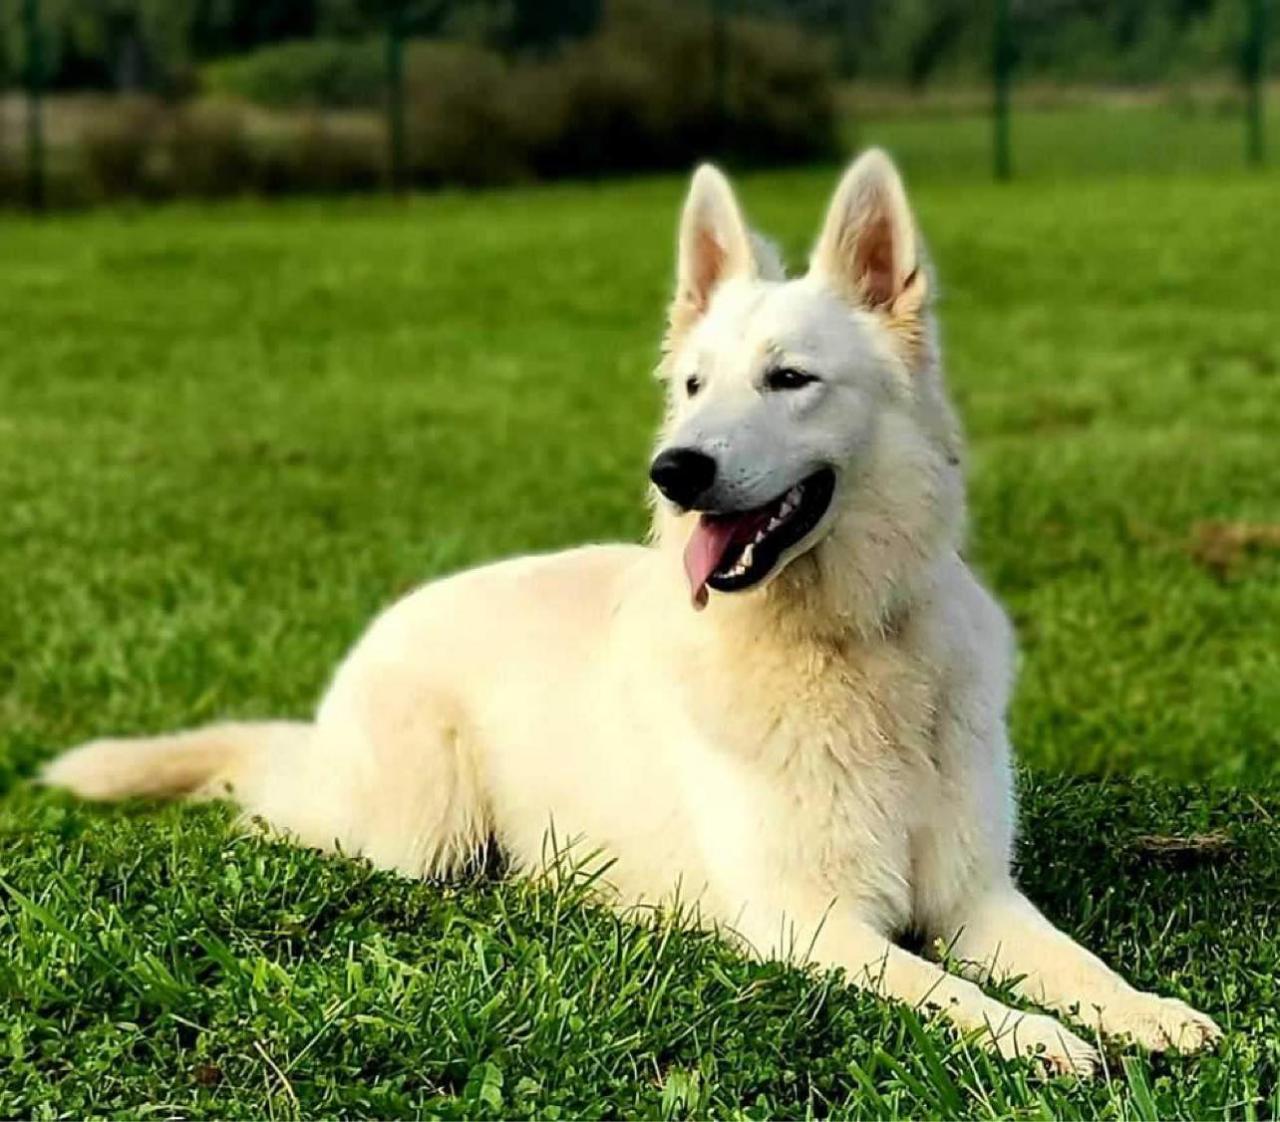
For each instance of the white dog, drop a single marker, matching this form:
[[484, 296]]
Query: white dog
[[789, 709]]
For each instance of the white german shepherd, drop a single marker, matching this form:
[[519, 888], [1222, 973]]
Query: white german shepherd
[[816, 756]]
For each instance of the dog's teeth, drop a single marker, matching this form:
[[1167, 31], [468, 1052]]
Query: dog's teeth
[[791, 501], [744, 562]]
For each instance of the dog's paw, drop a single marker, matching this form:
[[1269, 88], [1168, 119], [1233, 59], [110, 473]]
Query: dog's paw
[[1159, 1024], [1044, 1040]]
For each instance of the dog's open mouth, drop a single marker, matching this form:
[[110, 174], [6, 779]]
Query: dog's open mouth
[[734, 551]]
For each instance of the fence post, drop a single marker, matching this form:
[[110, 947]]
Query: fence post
[[395, 96], [1255, 76], [1002, 68], [34, 75]]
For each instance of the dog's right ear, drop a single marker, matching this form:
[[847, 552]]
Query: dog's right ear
[[715, 244], [869, 250]]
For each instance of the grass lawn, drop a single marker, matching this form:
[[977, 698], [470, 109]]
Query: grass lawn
[[1073, 141], [228, 435]]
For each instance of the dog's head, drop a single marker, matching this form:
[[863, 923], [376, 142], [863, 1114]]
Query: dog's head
[[805, 416]]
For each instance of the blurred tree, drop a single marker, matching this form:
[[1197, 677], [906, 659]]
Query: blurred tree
[[227, 26], [918, 41], [121, 44], [534, 25], [9, 53], [154, 43]]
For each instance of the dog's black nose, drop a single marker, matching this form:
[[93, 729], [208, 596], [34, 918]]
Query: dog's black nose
[[682, 474]]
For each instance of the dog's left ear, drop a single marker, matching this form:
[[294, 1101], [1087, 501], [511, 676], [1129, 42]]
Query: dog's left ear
[[868, 250], [715, 244]]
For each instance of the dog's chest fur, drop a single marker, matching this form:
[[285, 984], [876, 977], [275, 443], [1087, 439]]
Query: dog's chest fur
[[836, 741]]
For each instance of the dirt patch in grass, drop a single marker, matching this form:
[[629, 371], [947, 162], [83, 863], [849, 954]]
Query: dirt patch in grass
[[1222, 547]]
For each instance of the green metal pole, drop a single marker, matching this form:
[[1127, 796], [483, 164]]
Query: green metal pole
[[1002, 68], [35, 93], [395, 96], [1255, 75]]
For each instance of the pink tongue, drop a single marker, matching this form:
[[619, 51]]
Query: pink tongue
[[703, 553]]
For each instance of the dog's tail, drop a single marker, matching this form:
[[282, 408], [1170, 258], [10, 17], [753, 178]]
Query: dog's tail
[[201, 762]]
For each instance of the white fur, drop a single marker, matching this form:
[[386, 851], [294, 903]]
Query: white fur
[[817, 764]]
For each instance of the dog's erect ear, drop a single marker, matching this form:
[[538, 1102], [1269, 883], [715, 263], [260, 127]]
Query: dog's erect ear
[[715, 244], [868, 248]]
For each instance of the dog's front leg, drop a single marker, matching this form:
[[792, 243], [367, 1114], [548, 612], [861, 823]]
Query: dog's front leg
[[872, 962], [1005, 937]]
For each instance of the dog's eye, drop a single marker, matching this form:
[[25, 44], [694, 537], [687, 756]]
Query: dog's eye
[[784, 378], [692, 385]]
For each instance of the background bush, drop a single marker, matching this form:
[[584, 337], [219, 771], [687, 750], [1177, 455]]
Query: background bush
[[213, 149], [119, 146], [208, 151], [638, 93], [473, 117], [306, 72]]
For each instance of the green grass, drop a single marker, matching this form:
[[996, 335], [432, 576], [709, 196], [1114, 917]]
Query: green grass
[[227, 436], [1073, 142]]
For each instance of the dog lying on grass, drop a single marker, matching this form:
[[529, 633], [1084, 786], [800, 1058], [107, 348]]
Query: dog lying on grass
[[788, 710]]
